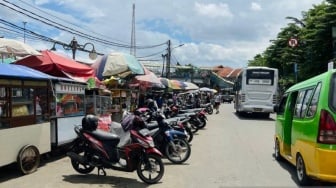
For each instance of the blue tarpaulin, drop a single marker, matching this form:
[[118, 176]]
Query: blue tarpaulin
[[20, 71]]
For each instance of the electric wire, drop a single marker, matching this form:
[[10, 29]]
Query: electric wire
[[71, 30]]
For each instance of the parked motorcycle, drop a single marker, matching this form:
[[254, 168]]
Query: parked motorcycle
[[197, 116], [208, 108], [95, 148], [172, 143], [178, 123]]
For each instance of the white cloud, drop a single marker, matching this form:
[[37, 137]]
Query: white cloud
[[255, 6], [214, 33], [213, 10]]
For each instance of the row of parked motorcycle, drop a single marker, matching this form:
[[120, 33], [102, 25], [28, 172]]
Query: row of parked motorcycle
[[139, 142]]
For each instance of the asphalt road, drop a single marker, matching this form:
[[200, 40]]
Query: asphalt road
[[230, 152]]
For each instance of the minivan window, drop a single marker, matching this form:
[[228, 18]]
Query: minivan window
[[302, 102], [332, 92], [314, 102], [306, 102]]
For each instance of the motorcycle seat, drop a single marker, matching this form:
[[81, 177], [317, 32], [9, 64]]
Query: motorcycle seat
[[186, 114], [152, 125], [105, 136]]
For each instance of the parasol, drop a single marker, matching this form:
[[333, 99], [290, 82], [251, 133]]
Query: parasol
[[117, 64], [55, 64], [148, 80], [190, 86], [17, 48], [206, 89], [173, 84]]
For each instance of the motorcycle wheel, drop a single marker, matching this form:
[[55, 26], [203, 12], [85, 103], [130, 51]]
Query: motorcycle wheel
[[150, 170], [203, 123], [193, 128], [210, 110], [81, 168], [190, 134], [180, 154]]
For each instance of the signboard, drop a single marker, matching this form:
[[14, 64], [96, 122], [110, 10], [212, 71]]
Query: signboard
[[330, 65], [70, 88], [292, 42]]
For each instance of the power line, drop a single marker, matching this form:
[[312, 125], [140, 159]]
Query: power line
[[63, 20], [71, 30]]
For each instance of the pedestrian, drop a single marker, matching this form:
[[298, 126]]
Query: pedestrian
[[217, 102]]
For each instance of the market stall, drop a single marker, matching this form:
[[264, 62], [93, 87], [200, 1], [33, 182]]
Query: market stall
[[29, 101]]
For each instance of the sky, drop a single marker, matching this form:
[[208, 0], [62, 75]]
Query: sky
[[204, 33]]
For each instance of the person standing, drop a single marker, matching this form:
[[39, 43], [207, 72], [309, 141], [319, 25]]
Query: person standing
[[217, 102]]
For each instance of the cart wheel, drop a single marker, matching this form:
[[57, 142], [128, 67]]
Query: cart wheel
[[28, 159]]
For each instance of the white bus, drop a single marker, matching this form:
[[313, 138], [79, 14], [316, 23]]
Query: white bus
[[256, 91]]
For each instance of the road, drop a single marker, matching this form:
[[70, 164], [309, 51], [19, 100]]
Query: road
[[230, 152]]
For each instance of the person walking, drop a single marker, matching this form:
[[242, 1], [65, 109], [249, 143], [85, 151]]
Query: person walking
[[217, 102]]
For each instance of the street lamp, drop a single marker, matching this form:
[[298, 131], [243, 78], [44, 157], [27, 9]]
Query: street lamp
[[169, 57], [74, 46]]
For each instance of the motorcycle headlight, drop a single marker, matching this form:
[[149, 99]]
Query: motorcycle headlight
[[151, 144]]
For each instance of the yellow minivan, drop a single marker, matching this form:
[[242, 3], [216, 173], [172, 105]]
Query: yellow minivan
[[305, 130]]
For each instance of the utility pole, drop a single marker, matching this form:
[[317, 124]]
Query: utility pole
[[133, 48], [24, 31], [168, 60]]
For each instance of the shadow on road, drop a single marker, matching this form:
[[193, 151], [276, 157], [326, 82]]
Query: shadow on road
[[250, 116], [292, 171], [111, 180], [12, 171]]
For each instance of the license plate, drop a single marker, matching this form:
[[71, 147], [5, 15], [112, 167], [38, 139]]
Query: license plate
[[257, 109]]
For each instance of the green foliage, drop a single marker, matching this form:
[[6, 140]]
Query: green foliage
[[315, 48]]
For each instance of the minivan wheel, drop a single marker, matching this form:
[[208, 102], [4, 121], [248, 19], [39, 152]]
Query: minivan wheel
[[277, 155], [301, 171]]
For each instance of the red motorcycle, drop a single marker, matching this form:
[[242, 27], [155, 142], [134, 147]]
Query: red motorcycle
[[96, 148]]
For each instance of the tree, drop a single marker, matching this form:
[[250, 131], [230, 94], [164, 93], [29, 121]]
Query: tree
[[315, 49]]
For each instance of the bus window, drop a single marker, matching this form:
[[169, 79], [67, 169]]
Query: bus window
[[313, 104]]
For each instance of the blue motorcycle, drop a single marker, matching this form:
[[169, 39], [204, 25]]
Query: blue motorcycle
[[171, 142]]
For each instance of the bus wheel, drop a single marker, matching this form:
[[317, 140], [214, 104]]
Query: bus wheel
[[277, 155], [28, 159], [301, 171]]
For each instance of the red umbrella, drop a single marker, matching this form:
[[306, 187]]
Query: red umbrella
[[149, 79], [57, 65]]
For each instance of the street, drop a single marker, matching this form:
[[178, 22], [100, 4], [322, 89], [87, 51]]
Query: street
[[230, 152]]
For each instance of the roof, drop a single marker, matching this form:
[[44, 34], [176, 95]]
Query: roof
[[16, 71], [23, 72]]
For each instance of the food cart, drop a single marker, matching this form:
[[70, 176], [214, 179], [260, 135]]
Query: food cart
[[29, 123]]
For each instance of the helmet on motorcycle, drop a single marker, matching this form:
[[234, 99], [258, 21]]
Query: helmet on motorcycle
[[90, 122], [150, 103], [170, 101]]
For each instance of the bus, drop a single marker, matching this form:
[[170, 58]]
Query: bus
[[256, 91]]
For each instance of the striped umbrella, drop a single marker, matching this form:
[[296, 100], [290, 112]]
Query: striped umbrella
[[173, 84]]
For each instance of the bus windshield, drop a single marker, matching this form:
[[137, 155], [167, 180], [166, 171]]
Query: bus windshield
[[259, 77]]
